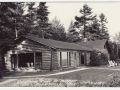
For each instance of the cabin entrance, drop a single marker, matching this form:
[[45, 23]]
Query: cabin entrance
[[83, 58], [26, 60]]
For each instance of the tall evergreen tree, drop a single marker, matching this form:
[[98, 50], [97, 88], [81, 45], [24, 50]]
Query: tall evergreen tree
[[72, 34], [42, 25], [91, 27], [7, 19], [57, 30], [84, 21], [94, 30], [19, 19], [29, 19], [103, 29], [10, 22]]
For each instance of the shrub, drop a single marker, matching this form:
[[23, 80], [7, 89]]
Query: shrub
[[98, 58]]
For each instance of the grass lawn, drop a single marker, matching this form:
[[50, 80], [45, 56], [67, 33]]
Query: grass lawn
[[96, 75], [69, 79]]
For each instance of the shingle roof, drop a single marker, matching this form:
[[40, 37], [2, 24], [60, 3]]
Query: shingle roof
[[97, 44], [57, 44]]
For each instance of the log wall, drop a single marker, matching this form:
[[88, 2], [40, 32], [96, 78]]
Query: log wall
[[46, 60], [54, 60]]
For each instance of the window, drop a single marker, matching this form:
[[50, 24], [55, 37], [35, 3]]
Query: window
[[64, 59], [58, 55]]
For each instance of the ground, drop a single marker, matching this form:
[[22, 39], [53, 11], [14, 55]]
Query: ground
[[94, 75], [89, 75]]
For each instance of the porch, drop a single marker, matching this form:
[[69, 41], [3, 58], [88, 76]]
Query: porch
[[28, 61]]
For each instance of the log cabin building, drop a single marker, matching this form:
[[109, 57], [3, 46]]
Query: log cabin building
[[46, 54]]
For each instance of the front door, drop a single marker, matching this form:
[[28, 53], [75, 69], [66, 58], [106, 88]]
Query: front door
[[83, 58]]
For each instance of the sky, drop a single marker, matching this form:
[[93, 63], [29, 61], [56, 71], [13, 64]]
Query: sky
[[66, 11]]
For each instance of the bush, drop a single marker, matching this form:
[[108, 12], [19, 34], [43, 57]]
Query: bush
[[98, 58]]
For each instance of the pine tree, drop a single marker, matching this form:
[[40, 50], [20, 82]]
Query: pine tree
[[94, 30], [57, 30], [42, 25], [85, 20], [103, 29], [72, 34], [91, 27], [29, 19], [10, 22]]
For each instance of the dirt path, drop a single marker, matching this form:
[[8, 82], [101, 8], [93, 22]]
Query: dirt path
[[107, 68], [7, 81]]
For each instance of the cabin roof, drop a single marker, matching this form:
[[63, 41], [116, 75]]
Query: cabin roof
[[58, 44], [97, 44]]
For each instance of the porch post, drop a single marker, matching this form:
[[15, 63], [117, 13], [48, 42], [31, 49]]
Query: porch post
[[17, 60], [85, 58], [61, 60], [51, 68], [67, 59], [79, 58], [34, 61]]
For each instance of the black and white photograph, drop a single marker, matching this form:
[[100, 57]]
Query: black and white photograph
[[60, 44]]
